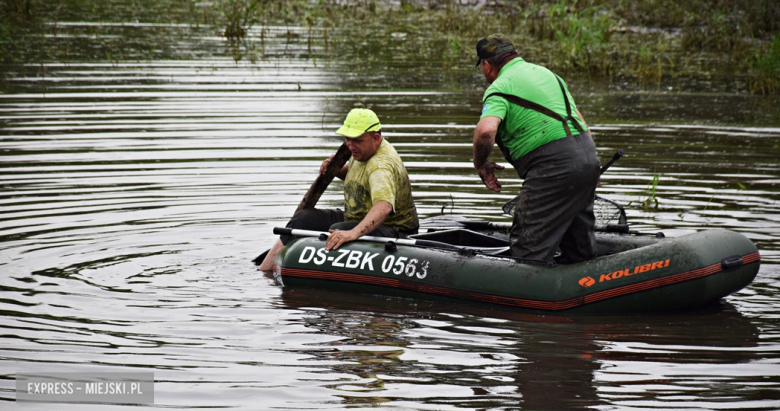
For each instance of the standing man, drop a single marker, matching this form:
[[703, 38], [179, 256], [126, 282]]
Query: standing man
[[527, 111], [377, 192]]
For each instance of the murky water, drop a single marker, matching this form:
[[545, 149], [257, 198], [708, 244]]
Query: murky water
[[134, 194]]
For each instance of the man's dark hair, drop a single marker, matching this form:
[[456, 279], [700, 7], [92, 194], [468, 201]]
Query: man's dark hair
[[501, 59]]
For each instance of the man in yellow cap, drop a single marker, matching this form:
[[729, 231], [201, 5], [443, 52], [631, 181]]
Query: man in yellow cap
[[377, 192]]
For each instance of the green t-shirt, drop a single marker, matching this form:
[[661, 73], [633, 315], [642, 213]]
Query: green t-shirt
[[523, 130], [382, 177]]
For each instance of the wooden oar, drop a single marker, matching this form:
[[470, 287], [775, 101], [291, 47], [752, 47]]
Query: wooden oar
[[323, 180], [318, 187]]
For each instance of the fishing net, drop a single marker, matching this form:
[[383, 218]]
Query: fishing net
[[607, 212]]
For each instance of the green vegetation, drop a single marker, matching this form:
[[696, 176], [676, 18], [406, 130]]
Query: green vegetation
[[646, 43], [649, 41], [766, 66], [16, 17], [651, 202]]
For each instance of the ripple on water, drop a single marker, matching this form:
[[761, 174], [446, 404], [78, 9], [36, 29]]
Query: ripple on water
[[135, 194]]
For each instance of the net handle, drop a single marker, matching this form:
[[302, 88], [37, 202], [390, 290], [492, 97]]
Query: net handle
[[509, 207]]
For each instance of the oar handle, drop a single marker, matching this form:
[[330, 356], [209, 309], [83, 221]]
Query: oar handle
[[286, 231], [310, 233], [323, 180]]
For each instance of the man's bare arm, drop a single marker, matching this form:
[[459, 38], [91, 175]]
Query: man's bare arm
[[484, 138], [375, 217]]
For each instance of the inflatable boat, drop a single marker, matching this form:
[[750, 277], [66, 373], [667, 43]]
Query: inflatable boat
[[455, 259]]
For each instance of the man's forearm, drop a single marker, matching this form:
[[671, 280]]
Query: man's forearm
[[483, 145], [484, 138], [375, 217]]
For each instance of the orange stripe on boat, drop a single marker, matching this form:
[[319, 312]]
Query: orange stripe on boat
[[512, 301]]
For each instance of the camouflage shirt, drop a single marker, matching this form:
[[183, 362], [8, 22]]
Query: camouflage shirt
[[382, 177]]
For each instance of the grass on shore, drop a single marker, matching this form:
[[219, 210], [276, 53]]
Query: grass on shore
[[648, 40]]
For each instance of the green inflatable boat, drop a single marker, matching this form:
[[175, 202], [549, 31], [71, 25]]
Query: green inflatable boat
[[458, 260]]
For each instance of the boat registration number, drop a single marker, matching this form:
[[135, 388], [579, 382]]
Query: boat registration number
[[411, 267]]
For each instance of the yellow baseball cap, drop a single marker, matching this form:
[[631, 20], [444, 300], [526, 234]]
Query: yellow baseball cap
[[359, 121]]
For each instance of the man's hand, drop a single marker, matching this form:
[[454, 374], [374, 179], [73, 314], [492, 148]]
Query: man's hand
[[375, 217], [325, 163], [340, 174], [488, 177], [338, 238]]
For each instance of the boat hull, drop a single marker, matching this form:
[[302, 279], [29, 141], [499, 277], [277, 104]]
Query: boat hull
[[672, 274]]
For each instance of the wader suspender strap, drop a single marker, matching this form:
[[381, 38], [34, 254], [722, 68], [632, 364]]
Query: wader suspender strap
[[568, 111], [544, 110]]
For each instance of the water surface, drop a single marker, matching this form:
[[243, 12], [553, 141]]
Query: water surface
[[135, 192]]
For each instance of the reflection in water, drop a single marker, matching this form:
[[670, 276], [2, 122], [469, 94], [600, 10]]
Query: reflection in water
[[134, 194], [485, 358]]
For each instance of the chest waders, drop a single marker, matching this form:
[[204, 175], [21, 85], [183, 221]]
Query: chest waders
[[538, 108]]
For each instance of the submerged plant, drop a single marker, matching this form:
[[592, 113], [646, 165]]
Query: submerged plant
[[451, 205], [651, 202], [239, 16]]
